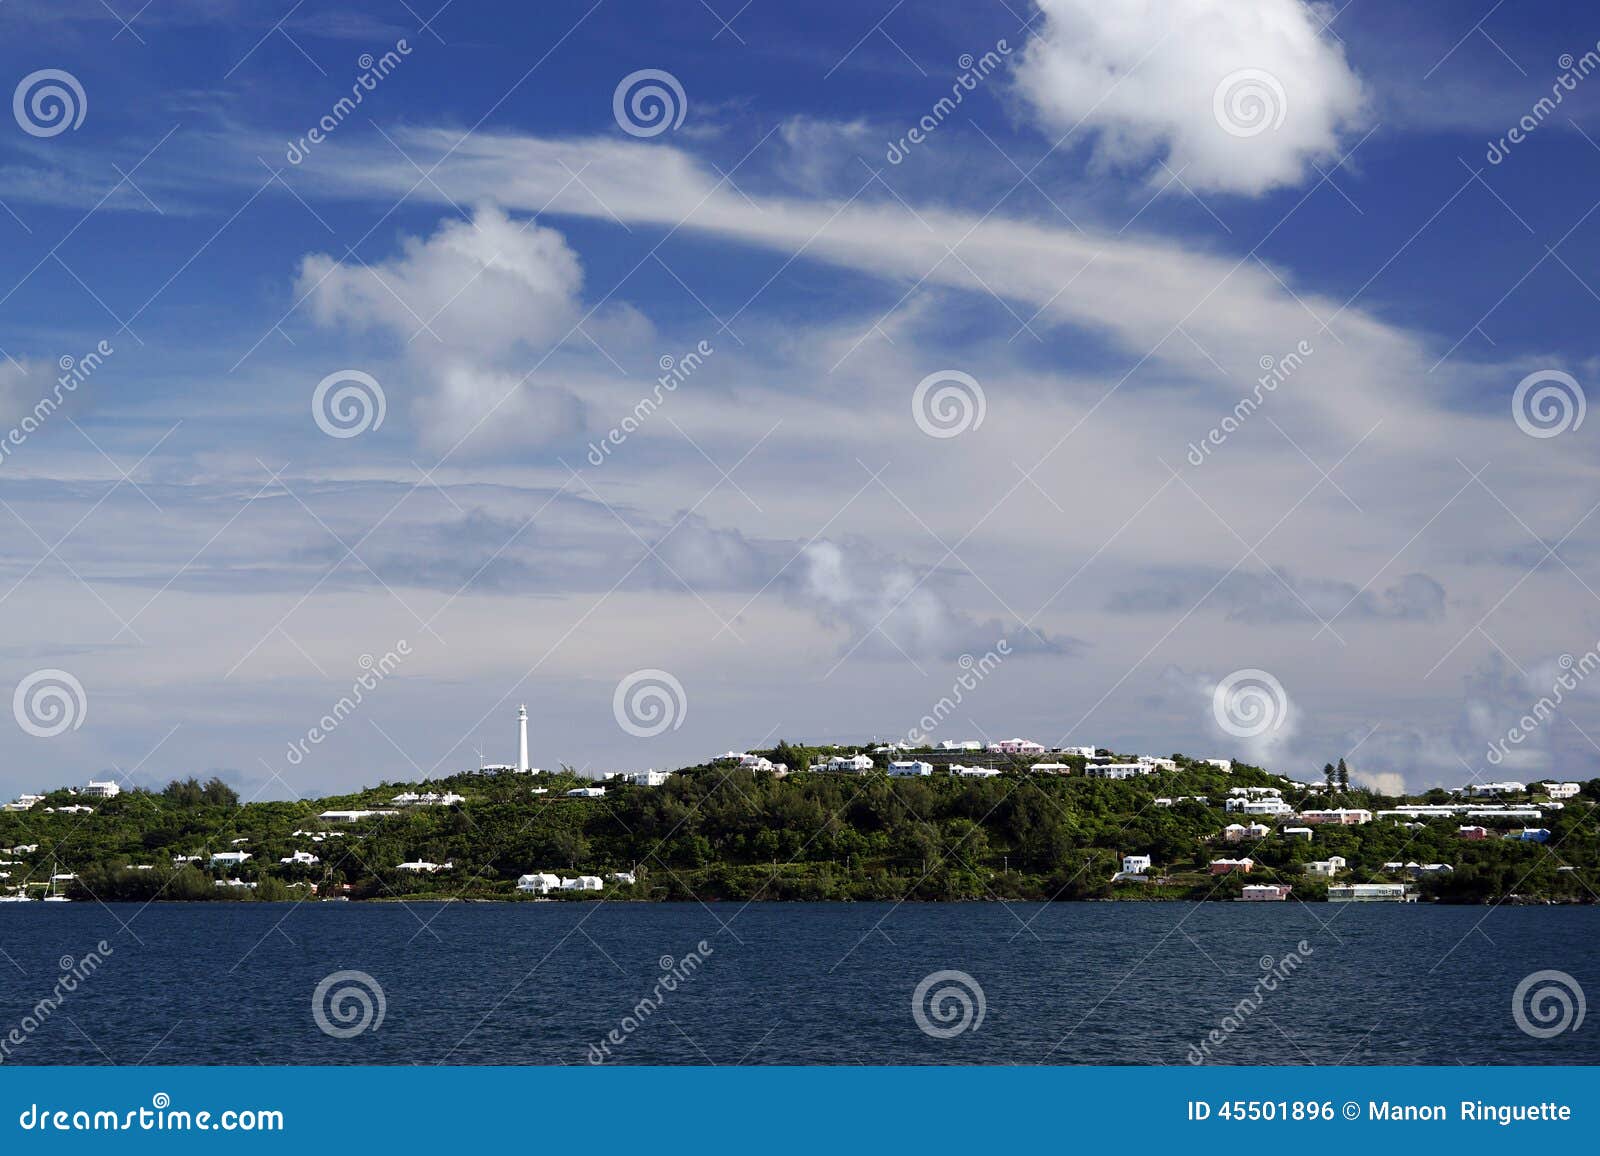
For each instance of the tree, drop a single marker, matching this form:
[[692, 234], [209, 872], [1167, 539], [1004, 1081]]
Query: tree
[[1344, 776], [1328, 775]]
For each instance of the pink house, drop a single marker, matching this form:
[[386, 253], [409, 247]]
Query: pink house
[[1473, 832], [1229, 866]]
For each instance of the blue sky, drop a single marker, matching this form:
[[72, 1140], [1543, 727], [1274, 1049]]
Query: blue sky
[[1103, 245]]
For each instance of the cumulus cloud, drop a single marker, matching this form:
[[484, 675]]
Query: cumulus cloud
[[882, 603], [1383, 782], [1240, 97], [474, 303]]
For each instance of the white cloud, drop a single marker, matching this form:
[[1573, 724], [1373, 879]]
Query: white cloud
[[1383, 782], [475, 303], [1240, 96]]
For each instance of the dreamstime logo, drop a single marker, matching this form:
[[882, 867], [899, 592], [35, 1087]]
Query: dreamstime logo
[[357, 405], [648, 703], [948, 403], [948, 1003], [973, 70], [1249, 703], [373, 671], [373, 70], [1249, 102], [74, 372], [674, 372], [1548, 403], [649, 102], [48, 703], [348, 1003], [74, 972], [49, 102], [1572, 71], [1275, 371], [973, 671], [1548, 1003], [674, 974], [1274, 973]]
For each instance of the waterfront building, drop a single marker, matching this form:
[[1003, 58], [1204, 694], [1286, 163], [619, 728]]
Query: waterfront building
[[1265, 892], [539, 883], [1135, 864], [1372, 893], [583, 883]]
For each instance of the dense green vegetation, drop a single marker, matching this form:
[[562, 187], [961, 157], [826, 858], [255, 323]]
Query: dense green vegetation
[[717, 832]]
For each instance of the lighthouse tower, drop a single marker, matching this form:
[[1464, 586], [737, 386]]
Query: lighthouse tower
[[522, 740]]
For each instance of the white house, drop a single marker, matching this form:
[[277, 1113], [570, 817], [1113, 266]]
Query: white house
[[229, 858], [910, 768], [1080, 752], [25, 803], [650, 778], [1327, 868], [1490, 790], [539, 883], [853, 764], [624, 877], [583, 883], [587, 793], [1163, 764], [300, 858], [429, 799], [352, 816], [1135, 864], [1051, 769], [1117, 770], [70, 809], [960, 745], [1268, 806], [423, 867], [1297, 833], [1555, 790], [98, 790], [1221, 764], [974, 772]]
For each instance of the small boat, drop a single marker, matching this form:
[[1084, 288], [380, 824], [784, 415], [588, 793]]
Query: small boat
[[19, 897]]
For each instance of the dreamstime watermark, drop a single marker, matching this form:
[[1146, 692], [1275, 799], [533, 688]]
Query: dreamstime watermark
[[948, 1003], [1249, 102], [74, 372], [649, 102], [948, 403], [1249, 703], [973, 672], [347, 403], [347, 1003], [49, 702], [1572, 71], [1573, 672], [1273, 974], [49, 102], [1275, 371], [1547, 1003], [973, 70], [373, 671], [73, 973], [1548, 403], [674, 973], [675, 371], [649, 702], [373, 70]]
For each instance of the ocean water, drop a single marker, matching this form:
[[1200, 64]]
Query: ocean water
[[550, 983]]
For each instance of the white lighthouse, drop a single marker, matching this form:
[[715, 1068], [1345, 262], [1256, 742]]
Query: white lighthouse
[[522, 740]]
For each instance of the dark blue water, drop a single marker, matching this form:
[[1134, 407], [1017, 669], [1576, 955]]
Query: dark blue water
[[794, 983]]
